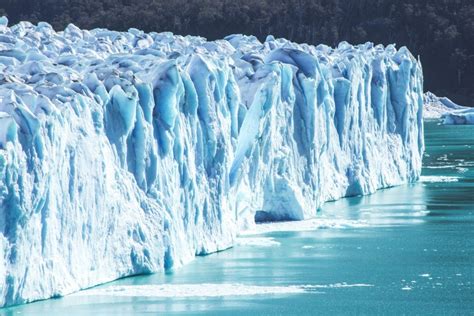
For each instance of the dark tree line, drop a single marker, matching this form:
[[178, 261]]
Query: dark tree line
[[440, 31]]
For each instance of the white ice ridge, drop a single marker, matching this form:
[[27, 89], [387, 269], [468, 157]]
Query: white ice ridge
[[125, 153]]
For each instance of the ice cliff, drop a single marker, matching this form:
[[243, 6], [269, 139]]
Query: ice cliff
[[445, 109], [129, 153]]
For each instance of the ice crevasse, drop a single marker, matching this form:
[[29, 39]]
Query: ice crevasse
[[125, 153]]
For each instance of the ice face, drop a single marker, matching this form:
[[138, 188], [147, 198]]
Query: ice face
[[129, 153]]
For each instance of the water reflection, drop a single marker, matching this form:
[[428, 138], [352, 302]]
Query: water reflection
[[391, 207]]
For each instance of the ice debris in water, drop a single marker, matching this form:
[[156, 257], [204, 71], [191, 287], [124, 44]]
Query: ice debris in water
[[125, 153], [435, 179]]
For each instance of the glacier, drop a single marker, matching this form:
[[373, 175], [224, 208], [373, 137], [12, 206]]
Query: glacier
[[125, 153], [449, 112]]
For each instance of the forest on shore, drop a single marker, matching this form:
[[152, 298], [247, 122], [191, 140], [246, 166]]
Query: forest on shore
[[441, 32]]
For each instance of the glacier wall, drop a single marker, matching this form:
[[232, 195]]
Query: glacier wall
[[125, 153]]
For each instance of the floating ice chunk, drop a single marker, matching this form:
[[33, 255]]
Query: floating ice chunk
[[257, 241], [304, 225], [434, 179]]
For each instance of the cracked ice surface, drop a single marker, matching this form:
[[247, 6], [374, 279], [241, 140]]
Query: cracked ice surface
[[124, 153]]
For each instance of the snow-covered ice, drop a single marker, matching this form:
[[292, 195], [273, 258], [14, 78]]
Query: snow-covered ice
[[436, 107], [444, 108], [125, 153], [460, 117]]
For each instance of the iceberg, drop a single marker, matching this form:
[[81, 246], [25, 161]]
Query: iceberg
[[436, 107], [125, 153], [445, 109], [460, 117]]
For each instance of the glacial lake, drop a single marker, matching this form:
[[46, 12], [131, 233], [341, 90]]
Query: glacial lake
[[404, 250]]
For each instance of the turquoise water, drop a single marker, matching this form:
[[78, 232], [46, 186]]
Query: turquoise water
[[405, 250]]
